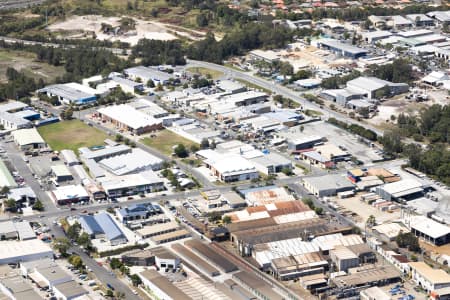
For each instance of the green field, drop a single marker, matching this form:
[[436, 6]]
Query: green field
[[71, 135], [165, 140], [205, 72]]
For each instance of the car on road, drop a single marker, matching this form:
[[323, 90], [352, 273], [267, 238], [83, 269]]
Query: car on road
[[110, 286], [73, 208]]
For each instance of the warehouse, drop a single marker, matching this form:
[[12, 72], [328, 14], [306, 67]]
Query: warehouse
[[171, 236], [197, 262], [157, 229], [428, 278], [210, 254], [368, 275], [231, 87], [69, 194], [48, 276], [406, 189], [245, 98], [231, 168], [294, 266], [102, 226], [6, 178], [137, 212], [341, 49], [374, 293], [14, 287], [14, 116], [374, 36], [368, 86], [127, 85], [267, 195], [148, 107], [132, 184], [70, 158], [16, 230], [24, 196], [430, 230], [136, 161], [69, 290], [256, 285], [271, 163], [126, 117], [70, 93], [12, 252], [28, 139], [306, 142], [97, 155], [160, 286], [61, 173], [343, 258], [13, 121], [144, 74], [138, 257], [328, 185]]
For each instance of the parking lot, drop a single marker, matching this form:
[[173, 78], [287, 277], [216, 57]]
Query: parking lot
[[338, 137]]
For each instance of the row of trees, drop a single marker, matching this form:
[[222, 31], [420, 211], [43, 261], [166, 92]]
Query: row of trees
[[18, 85], [336, 81], [399, 70], [354, 128]]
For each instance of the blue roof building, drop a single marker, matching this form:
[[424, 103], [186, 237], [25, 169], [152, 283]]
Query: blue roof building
[[137, 212], [103, 226]]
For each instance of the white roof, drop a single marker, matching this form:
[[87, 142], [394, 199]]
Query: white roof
[[70, 191], [367, 83], [132, 180], [399, 188], [330, 241], [60, 171], [69, 156], [129, 116], [375, 34], [16, 249], [137, 160], [27, 136], [12, 105], [414, 33], [226, 164], [391, 230], [435, 76], [429, 227]]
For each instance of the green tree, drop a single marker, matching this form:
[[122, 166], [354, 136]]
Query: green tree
[[371, 221], [4, 190], [76, 261], [115, 263], [181, 151], [135, 280], [38, 205], [226, 220], [61, 245], [73, 231], [10, 205], [84, 240], [118, 138], [408, 240], [150, 83]]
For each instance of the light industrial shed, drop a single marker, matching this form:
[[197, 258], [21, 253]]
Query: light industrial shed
[[28, 139]]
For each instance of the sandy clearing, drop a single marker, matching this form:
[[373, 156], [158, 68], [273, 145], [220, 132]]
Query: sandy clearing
[[144, 29]]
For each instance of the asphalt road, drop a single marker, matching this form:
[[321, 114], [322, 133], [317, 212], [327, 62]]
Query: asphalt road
[[101, 273], [281, 90], [21, 166]]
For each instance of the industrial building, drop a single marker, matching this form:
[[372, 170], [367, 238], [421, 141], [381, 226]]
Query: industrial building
[[428, 278], [24, 196], [132, 184], [127, 85], [341, 49], [343, 258], [70, 158], [305, 143], [144, 74], [102, 226], [267, 195], [17, 115], [328, 185], [136, 161], [16, 230], [145, 105], [6, 178], [368, 275], [14, 287], [161, 286], [70, 93], [61, 173], [231, 168], [405, 189], [69, 290], [138, 257], [69, 194], [369, 86], [137, 212], [96, 155], [231, 87], [374, 293], [428, 229], [128, 118], [271, 163], [28, 139], [13, 252]]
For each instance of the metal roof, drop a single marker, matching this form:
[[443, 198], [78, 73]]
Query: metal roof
[[101, 223], [137, 160], [27, 136], [71, 91]]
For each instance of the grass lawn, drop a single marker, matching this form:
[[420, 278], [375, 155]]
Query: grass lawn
[[164, 141], [71, 135], [254, 86], [205, 71]]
